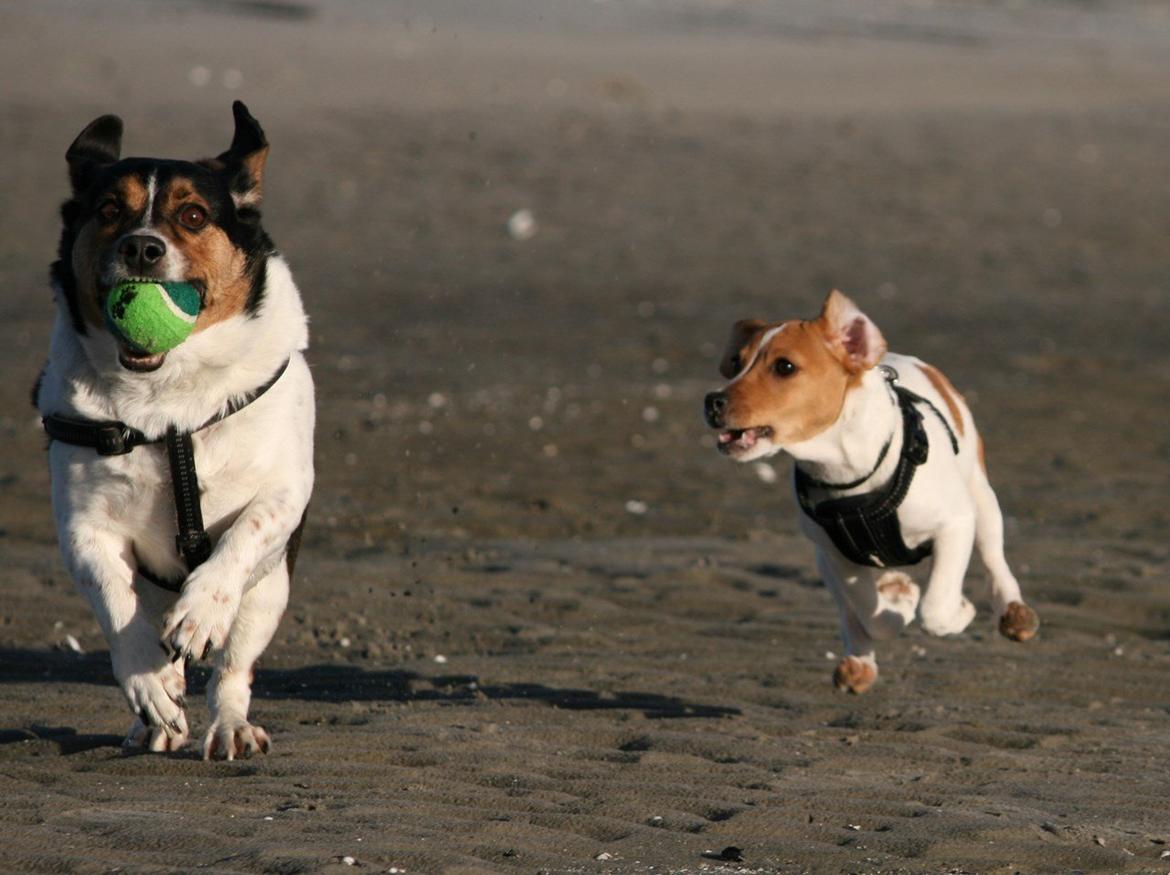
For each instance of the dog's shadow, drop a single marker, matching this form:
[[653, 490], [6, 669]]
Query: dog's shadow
[[328, 683]]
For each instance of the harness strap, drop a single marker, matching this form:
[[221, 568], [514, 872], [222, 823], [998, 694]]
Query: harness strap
[[865, 527], [193, 542], [115, 438], [108, 438]]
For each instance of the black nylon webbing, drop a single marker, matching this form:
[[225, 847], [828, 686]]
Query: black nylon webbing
[[193, 542]]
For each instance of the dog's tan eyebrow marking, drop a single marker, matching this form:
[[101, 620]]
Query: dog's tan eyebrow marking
[[133, 192]]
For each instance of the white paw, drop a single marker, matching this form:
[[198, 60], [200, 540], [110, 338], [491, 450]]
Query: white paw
[[157, 698], [233, 739], [200, 620], [949, 622]]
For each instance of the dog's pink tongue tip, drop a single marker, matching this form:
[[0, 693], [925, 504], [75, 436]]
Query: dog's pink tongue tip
[[725, 437]]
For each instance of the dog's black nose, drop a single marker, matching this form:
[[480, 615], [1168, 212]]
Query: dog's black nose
[[715, 408], [140, 252]]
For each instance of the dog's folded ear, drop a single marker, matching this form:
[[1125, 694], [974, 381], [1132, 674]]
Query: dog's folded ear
[[245, 158], [98, 145], [743, 333], [851, 336]]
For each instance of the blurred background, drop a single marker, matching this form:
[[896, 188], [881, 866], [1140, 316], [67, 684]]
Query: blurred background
[[522, 230], [986, 179]]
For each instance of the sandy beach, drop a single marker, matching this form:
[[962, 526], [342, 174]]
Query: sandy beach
[[540, 625]]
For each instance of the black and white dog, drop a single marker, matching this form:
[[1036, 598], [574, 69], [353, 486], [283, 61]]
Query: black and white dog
[[145, 448]]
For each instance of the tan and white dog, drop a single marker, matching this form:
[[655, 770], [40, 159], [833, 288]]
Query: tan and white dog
[[885, 433], [239, 386]]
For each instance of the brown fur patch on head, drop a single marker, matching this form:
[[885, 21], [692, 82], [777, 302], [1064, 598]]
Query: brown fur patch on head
[[95, 239], [741, 346], [982, 455], [211, 258], [948, 392], [798, 406]]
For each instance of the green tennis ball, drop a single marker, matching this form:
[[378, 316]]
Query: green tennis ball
[[151, 316]]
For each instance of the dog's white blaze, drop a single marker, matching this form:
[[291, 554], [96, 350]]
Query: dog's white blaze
[[764, 341], [151, 194]]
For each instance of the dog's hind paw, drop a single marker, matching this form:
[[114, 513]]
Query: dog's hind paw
[[855, 675], [229, 740], [1019, 622]]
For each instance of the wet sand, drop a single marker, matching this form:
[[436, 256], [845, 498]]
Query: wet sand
[[538, 619]]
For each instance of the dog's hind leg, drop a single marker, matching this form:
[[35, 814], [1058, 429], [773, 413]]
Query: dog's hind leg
[[857, 671], [1016, 620], [229, 692]]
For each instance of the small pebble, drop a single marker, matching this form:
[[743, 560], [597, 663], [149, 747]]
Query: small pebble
[[440, 658], [765, 472], [636, 507], [604, 855]]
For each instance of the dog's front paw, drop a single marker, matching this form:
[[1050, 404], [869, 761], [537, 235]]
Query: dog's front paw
[[950, 622], [1019, 622], [157, 698], [201, 619], [232, 739], [155, 739], [855, 674]]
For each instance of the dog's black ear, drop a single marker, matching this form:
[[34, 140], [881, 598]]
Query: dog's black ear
[[244, 160], [98, 145]]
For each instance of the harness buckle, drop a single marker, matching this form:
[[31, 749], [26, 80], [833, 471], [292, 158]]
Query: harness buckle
[[113, 440]]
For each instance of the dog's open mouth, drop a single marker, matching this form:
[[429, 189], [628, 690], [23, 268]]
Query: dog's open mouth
[[133, 360], [733, 441]]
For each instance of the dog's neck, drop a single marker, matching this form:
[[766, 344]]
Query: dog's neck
[[849, 449], [199, 378]]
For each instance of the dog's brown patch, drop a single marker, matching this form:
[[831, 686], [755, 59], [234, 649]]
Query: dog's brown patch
[[210, 255], [746, 335], [948, 392], [796, 407], [1019, 622], [853, 675], [982, 455], [95, 238]]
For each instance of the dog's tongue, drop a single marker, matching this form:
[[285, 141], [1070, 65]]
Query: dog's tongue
[[744, 439]]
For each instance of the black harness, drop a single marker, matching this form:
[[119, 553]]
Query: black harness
[[114, 438], [865, 527]]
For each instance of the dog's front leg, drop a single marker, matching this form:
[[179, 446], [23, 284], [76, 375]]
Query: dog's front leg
[[101, 565], [857, 671], [944, 609], [201, 619]]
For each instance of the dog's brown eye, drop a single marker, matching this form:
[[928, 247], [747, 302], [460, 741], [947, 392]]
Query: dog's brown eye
[[109, 211], [783, 368], [193, 217]]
